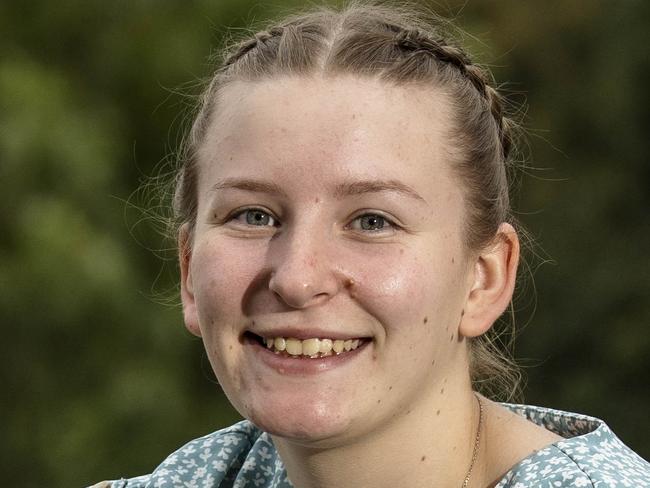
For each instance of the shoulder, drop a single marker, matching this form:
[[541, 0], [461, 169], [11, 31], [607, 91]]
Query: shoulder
[[235, 456], [589, 455]]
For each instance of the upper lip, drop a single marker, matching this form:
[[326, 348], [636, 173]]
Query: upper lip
[[303, 333]]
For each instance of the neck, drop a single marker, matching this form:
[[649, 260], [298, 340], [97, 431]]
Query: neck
[[430, 445]]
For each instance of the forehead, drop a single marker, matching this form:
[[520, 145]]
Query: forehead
[[323, 128]]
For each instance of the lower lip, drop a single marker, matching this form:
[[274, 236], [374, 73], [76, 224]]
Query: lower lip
[[303, 366]]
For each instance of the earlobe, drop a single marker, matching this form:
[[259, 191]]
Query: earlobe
[[495, 272], [187, 287]]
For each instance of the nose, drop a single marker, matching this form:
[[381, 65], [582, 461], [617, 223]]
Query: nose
[[303, 271]]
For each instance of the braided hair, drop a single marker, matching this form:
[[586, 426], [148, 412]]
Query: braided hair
[[400, 47]]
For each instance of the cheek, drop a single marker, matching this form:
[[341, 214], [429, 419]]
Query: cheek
[[222, 274], [402, 288]]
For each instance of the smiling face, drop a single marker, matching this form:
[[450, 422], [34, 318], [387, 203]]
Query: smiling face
[[327, 209]]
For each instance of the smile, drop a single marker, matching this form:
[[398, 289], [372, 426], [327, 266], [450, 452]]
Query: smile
[[310, 348]]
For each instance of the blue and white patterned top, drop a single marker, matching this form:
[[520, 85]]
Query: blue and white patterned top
[[243, 456]]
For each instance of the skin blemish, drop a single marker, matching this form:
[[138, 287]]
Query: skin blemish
[[453, 260], [379, 401], [316, 200], [433, 362], [423, 458], [407, 412], [437, 412], [349, 283], [390, 388], [425, 320], [462, 313], [451, 338], [401, 251], [442, 391], [230, 347]]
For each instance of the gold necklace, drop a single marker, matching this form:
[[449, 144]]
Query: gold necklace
[[477, 441]]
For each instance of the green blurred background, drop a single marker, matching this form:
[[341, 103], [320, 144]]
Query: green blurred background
[[101, 380]]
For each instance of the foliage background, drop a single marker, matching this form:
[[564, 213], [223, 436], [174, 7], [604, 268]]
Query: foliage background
[[100, 380]]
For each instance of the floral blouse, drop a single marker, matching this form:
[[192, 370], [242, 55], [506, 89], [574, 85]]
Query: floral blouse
[[243, 456]]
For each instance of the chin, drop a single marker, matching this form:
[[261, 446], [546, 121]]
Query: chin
[[306, 422]]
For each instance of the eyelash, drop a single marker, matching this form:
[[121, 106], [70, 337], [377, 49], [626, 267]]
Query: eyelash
[[386, 221]]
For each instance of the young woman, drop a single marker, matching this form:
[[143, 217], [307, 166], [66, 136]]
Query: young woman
[[345, 244]]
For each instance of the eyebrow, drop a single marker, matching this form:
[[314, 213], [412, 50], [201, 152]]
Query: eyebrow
[[353, 188], [248, 184], [376, 186]]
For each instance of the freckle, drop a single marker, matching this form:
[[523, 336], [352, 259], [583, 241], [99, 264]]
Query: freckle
[[354, 116], [407, 412], [374, 357], [230, 347], [374, 388], [401, 251], [390, 388], [451, 338], [378, 401], [230, 158], [442, 391], [252, 322], [438, 412], [433, 362], [426, 319], [453, 260], [316, 200], [423, 458], [462, 313]]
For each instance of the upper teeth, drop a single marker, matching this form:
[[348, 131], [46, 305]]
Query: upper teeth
[[310, 347]]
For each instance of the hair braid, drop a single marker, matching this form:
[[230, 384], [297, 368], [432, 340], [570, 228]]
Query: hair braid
[[417, 42], [244, 47]]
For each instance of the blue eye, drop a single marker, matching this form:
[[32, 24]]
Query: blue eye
[[371, 223], [256, 217]]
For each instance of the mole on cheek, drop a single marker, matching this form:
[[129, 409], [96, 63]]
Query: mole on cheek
[[423, 458], [425, 320]]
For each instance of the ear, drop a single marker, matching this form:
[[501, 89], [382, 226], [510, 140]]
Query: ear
[[495, 272], [187, 288]]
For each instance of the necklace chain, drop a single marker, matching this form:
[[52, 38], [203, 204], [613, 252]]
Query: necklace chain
[[477, 441]]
